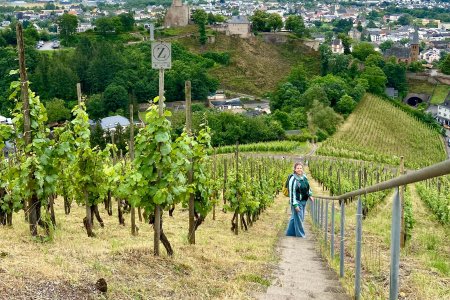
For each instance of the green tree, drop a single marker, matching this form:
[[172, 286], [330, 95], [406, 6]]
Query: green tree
[[386, 45], [404, 41], [104, 25], [298, 78], [325, 118], [396, 75], [405, 19], [375, 60], [296, 25], [359, 27], [376, 79], [95, 108], [127, 21], [314, 93], [67, 26], [283, 118], [445, 65], [325, 54], [200, 18], [334, 86], [346, 42], [345, 105], [56, 111], [416, 66], [275, 22], [260, 21], [285, 96], [371, 24], [362, 50], [115, 97]]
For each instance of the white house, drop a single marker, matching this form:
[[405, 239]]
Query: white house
[[337, 46], [443, 113], [431, 55]]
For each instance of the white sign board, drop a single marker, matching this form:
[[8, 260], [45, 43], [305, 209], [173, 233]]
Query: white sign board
[[161, 55]]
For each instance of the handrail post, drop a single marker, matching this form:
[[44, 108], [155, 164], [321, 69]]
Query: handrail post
[[321, 213], [358, 250], [325, 229], [332, 232], [342, 249], [395, 246]]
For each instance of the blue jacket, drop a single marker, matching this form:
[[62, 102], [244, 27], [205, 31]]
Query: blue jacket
[[299, 190]]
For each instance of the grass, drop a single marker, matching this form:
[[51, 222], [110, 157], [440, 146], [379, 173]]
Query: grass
[[440, 94], [256, 67], [220, 265], [378, 131], [424, 261], [420, 87]]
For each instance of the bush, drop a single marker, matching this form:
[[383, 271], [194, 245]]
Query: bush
[[222, 58]]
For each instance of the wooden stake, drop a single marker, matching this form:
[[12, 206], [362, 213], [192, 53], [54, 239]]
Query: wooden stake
[[191, 169], [131, 149]]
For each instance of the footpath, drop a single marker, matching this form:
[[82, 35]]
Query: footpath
[[302, 273]]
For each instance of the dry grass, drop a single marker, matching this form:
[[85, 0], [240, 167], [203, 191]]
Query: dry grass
[[220, 266], [422, 261], [256, 67]]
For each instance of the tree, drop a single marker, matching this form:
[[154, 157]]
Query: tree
[[127, 21], [67, 25], [260, 21], [104, 25], [56, 111], [345, 105], [359, 27], [405, 41], [371, 24], [346, 42], [376, 79], [296, 25], [283, 118], [298, 78], [314, 93], [200, 18], [362, 50], [325, 54], [416, 66], [405, 19], [115, 97], [94, 107], [275, 22], [396, 75], [375, 60], [386, 45], [445, 65], [285, 96], [325, 118], [335, 87]]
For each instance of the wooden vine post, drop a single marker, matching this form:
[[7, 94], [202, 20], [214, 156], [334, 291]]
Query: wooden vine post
[[236, 213], [131, 149], [214, 179], [191, 168], [32, 201]]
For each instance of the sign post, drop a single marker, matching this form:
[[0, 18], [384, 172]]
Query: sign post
[[161, 59]]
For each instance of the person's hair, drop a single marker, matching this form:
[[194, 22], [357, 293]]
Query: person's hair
[[297, 164]]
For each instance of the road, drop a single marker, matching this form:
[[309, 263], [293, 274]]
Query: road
[[47, 46]]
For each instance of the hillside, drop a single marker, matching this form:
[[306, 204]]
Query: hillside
[[378, 131], [256, 67]]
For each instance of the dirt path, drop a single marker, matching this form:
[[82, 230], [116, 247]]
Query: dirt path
[[302, 273]]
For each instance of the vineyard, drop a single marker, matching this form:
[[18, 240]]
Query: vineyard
[[377, 131], [278, 146]]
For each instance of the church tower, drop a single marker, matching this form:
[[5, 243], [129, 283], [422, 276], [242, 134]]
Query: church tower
[[415, 46]]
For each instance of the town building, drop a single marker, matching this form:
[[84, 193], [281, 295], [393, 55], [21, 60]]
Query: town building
[[177, 15]]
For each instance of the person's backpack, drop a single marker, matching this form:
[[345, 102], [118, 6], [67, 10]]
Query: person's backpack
[[285, 189]]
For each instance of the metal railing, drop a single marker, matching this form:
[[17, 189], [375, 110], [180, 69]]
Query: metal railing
[[319, 214]]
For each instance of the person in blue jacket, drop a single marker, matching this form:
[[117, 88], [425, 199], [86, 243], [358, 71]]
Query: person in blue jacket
[[299, 193]]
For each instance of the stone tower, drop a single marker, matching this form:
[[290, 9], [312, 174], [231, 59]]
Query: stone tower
[[177, 15], [415, 46]]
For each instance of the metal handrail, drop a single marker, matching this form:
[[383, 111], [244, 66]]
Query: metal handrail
[[319, 215], [436, 170]]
